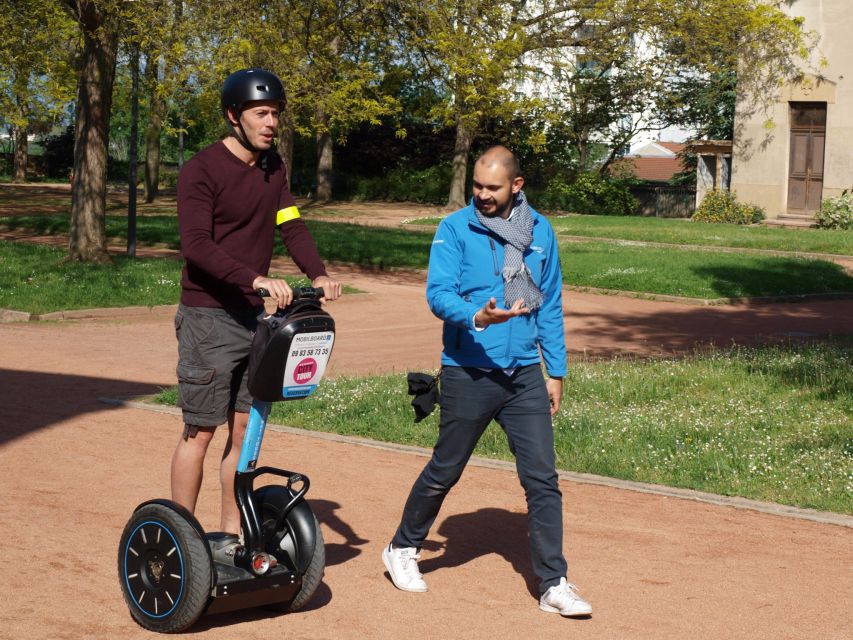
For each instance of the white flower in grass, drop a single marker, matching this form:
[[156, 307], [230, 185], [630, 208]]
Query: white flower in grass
[[620, 271]]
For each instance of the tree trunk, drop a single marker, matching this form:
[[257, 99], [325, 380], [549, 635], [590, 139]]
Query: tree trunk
[[285, 150], [87, 239], [156, 115], [324, 167], [21, 155], [582, 147], [324, 141], [180, 141], [324, 158], [458, 180]]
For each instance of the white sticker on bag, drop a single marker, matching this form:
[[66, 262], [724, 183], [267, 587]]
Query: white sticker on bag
[[306, 363]]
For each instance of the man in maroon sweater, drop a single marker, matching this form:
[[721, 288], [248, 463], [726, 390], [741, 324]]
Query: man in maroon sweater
[[231, 196]]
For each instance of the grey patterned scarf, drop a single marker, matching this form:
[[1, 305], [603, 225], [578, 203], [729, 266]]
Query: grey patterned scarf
[[517, 232]]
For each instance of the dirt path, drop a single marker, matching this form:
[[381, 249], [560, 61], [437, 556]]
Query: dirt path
[[73, 469]]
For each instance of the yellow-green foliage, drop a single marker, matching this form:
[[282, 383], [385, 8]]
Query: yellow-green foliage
[[836, 213], [722, 206]]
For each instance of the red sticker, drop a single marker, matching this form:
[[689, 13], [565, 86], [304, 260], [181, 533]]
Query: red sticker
[[305, 370]]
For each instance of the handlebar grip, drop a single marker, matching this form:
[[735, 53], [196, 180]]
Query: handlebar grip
[[299, 293]]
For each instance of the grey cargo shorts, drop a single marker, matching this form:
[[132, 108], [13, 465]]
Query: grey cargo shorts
[[213, 362]]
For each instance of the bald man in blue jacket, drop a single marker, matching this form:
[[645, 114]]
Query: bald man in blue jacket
[[495, 281]]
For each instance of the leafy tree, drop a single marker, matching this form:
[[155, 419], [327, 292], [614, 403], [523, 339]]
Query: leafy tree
[[35, 69], [689, 57], [99, 24], [706, 105], [469, 50], [329, 55], [166, 71], [593, 64], [103, 25]]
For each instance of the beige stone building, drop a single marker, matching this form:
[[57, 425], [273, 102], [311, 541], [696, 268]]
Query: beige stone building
[[807, 153]]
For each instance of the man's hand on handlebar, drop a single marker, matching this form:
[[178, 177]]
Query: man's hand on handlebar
[[278, 290], [331, 288]]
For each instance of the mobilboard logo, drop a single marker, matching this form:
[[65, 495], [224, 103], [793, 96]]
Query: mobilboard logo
[[312, 337]]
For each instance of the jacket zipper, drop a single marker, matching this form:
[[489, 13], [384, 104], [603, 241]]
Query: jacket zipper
[[498, 273], [494, 256]]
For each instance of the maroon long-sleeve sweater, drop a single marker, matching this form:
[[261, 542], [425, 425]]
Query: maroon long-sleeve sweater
[[227, 214]]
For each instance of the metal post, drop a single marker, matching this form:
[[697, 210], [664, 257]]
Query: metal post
[[134, 134]]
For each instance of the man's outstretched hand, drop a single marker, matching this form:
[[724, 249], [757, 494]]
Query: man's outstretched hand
[[491, 314]]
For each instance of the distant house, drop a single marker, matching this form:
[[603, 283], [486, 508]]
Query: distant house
[[654, 162], [807, 153]]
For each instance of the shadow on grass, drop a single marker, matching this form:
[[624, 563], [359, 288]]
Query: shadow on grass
[[150, 230], [777, 277], [376, 247]]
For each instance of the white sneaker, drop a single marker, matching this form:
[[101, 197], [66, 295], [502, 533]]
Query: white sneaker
[[563, 598], [402, 564]]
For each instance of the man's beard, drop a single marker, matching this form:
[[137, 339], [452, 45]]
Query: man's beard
[[499, 210]]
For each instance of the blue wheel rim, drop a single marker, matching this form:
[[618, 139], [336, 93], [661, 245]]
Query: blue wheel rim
[[154, 569]]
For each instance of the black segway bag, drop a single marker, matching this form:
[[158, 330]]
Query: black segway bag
[[291, 348]]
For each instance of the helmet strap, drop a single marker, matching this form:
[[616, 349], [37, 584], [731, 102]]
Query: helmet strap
[[243, 139], [240, 135]]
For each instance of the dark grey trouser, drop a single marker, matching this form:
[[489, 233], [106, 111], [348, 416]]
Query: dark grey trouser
[[213, 359], [470, 399]]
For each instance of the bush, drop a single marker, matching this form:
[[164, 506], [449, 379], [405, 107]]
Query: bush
[[836, 213], [59, 153], [722, 207], [168, 176], [589, 193]]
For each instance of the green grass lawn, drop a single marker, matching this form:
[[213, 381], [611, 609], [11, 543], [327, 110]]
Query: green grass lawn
[[337, 242], [153, 230], [602, 265], [36, 200], [36, 279], [686, 232], [712, 235], [697, 274], [785, 435], [371, 246]]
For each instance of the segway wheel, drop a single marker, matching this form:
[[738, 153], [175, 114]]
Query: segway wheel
[[164, 569], [298, 545]]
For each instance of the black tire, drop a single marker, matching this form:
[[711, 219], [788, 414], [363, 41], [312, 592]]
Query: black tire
[[164, 569], [290, 548]]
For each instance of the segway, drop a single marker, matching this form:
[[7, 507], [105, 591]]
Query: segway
[[171, 571]]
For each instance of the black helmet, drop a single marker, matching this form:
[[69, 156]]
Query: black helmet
[[250, 85]]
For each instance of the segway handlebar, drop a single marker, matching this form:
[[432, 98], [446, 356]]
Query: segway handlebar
[[299, 293]]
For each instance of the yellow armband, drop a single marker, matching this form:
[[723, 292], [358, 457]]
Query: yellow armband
[[286, 215]]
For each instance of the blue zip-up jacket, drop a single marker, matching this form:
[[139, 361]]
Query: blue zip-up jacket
[[465, 270]]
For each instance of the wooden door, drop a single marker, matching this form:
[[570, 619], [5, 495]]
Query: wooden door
[[808, 138]]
